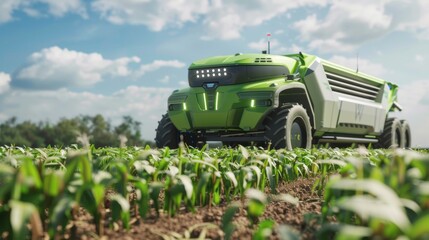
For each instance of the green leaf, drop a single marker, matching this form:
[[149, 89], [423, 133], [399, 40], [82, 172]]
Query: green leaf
[[232, 178], [30, 173], [98, 191], [61, 214], [255, 209], [172, 171], [264, 231], [20, 216], [187, 183], [375, 188], [410, 204], [154, 189], [420, 229], [255, 194], [337, 162], [78, 160], [344, 232], [375, 208], [270, 178], [244, 152], [53, 183], [286, 197], [257, 170], [120, 209], [202, 185], [144, 165], [6, 181], [226, 223], [143, 198], [286, 232]]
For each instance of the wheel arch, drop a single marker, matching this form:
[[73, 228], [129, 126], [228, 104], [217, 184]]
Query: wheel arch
[[295, 93]]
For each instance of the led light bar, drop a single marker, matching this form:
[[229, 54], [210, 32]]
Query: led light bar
[[210, 73]]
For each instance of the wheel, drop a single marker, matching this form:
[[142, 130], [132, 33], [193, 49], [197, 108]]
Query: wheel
[[406, 134], [392, 134], [289, 127], [191, 139], [167, 134]]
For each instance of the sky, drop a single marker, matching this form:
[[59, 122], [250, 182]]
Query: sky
[[64, 58]]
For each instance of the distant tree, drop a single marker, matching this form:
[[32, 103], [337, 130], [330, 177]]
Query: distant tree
[[131, 130], [65, 132], [100, 132], [30, 133]]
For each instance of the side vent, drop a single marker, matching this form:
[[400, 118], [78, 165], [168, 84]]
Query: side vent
[[257, 60], [351, 87]]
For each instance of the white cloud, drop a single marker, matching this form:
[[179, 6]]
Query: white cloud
[[56, 8], [165, 80], [413, 98], [351, 23], [365, 65], [4, 82], [419, 58], [262, 44], [6, 9], [226, 19], [345, 25], [143, 104], [155, 14], [183, 84], [157, 64], [222, 19], [55, 67]]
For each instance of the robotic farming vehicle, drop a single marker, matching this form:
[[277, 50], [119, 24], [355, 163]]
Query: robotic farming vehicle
[[288, 101]]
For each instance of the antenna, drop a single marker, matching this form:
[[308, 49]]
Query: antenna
[[357, 62], [268, 38]]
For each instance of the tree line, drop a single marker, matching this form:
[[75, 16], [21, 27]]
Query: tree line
[[66, 131]]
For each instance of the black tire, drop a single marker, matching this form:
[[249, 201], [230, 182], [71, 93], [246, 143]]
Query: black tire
[[191, 139], [406, 134], [392, 134], [289, 127], [167, 134]]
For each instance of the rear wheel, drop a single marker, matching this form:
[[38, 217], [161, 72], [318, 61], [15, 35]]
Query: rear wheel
[[392, 134], [289, 127], [406, 134]]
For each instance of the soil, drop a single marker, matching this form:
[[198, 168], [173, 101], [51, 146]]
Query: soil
[[303, 218]]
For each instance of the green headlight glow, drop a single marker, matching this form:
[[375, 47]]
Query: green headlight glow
[[205, 101], [184, 107], [252, 103], [217, 99]]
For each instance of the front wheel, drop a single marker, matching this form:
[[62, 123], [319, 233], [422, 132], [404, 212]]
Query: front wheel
[[167, 134], [289, 127]]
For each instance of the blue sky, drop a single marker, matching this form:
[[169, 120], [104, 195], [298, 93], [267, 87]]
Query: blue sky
[[62, 58]]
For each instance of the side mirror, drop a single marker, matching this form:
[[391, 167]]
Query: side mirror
[[292, 76]]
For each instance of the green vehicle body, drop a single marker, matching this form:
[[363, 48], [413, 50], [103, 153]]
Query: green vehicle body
[[230, 97]]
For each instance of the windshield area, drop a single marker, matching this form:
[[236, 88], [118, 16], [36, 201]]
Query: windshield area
[[229, 75]]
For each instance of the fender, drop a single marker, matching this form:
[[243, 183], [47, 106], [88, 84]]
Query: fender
[[296, 87]]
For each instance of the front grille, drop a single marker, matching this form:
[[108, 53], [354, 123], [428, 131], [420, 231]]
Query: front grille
[[351, 87], [211, 100]]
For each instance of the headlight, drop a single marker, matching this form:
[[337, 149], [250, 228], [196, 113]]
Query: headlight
[[255, 95], [211, 73], [177, 102], [257, 99], [177, 98]]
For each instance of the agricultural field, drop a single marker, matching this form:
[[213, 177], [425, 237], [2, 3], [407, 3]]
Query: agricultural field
[[221, 193]]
